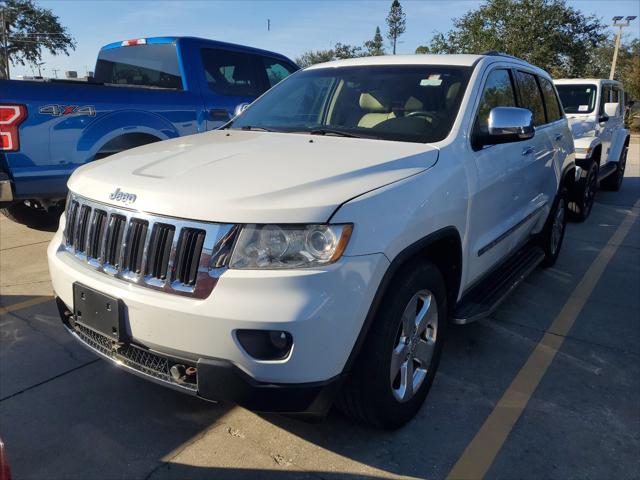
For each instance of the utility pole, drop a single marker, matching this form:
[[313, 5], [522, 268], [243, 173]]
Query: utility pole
[[620, 23], [5, 45], [55, 72]]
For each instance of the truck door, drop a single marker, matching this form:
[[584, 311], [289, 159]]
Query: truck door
[[606, 126], [230, 79]]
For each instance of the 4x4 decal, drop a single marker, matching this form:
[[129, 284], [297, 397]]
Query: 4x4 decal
[[60, 110]]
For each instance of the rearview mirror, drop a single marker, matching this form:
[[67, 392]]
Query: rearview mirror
[[509, 124], [612, 109]]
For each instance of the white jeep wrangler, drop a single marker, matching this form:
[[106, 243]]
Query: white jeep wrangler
[[595, 109], [320, 243]]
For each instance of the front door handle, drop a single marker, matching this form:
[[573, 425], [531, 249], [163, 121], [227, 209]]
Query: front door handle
[[559, 137], [527, 151]]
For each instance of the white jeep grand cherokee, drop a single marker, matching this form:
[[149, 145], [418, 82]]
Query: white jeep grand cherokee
[[317, 246]]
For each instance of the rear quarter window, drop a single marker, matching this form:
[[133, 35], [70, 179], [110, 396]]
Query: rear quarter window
[[550, 100]]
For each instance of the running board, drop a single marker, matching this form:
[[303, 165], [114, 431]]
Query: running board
[[485, 297]]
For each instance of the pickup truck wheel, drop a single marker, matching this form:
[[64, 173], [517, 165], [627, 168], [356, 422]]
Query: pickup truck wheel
[[584, 194], [614, 181], [31, 216], [396, 367], [552, 235]]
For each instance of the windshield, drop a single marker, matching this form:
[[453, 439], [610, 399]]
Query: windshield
[[417, 103], [154, 65], [578, 98]]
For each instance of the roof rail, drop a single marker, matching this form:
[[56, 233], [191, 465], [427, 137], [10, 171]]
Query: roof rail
[[496, 53]]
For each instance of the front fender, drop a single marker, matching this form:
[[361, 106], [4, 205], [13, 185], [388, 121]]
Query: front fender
[[585, 147], [618, 141]]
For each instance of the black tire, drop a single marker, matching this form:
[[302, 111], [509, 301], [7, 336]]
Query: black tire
[[550, 243], [583, 194], [614, 181], [368, 394], [31, 216]]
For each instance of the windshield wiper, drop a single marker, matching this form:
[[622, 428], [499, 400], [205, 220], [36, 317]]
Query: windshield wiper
[[256, 129], [329, 131]]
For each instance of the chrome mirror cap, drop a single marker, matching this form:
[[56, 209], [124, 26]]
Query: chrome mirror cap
[[510, 124]]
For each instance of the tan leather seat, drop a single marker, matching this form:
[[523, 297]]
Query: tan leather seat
[[378, 112]]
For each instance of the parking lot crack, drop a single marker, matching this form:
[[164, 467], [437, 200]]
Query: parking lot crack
[[36, 385]]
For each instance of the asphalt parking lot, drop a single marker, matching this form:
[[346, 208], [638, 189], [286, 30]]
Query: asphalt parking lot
[[547, 387]]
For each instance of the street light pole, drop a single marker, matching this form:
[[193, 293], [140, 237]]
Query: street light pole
[[620, 23]]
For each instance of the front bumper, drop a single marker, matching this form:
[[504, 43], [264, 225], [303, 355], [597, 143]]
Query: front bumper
[[323, 310], [214, 379]]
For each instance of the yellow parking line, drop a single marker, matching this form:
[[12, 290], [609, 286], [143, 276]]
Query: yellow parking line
[[26, 304], [481, 452]]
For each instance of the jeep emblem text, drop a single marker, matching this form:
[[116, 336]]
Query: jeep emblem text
[[123, 197]]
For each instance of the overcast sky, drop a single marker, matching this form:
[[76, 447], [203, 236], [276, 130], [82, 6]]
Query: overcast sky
[[296, 26]]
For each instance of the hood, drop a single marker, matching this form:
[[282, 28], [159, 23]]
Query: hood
[[244, 177], [582, 126]]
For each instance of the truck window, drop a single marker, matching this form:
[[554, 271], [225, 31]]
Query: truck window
[[231, 73], [497, 92], [550, 100], [531, 96], [604, 97], [154, 65], [276, 70], [578, 98]]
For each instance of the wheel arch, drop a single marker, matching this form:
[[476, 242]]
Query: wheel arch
[[443, 248], [125, 142]]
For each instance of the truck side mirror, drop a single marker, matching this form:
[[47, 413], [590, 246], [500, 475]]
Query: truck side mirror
[[612, 109], [603, 118], [509, 124], [219, 115]]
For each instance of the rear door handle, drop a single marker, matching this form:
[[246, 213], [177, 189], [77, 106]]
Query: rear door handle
[[527, 151]]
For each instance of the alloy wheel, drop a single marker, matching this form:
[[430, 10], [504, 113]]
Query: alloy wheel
[[415, 345], [557, 228]]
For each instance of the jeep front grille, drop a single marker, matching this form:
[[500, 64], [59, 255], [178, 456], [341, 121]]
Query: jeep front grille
[[177, 256]]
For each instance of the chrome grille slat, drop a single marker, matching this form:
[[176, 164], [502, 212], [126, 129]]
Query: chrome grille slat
[[109, 230]]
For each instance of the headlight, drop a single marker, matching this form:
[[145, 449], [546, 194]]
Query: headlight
[[289, 246], [584, 151]]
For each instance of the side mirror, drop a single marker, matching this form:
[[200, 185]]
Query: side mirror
[[509, 124], [219, 115], [631, 103], [241, 107], [603, 118], [612, 109]]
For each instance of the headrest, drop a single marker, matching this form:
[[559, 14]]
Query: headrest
[[452, 93], [413, 104], [373, 103]]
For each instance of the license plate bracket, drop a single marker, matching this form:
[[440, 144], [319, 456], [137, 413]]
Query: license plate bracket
[[99, 312]]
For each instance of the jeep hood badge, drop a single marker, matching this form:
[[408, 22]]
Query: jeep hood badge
[[124, 197]]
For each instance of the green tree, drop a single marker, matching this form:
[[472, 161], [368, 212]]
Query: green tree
[[627, 69], [375, 46], [546, 33], [30, 29], [339, 51], [396, 21]]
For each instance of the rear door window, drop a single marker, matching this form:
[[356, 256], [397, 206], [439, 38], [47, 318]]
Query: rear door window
[[154, 65], [276, 70], [231, 73], [531, 97], [550, 100]]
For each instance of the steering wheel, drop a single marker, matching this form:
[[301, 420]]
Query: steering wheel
[[430, 117]]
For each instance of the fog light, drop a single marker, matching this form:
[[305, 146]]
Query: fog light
[[265, 344]]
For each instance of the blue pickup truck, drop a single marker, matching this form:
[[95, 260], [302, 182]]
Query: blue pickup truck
[[144, 90]]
